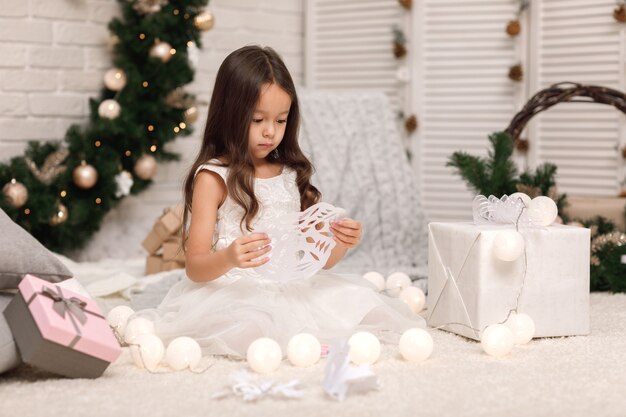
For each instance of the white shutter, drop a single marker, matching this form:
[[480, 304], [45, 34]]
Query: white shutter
[[579, 41], [462, 92], [349, 46]]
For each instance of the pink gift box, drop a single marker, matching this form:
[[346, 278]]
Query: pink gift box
[[60, 331]]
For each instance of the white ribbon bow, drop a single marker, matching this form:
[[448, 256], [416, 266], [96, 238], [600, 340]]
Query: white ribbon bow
[[251, 389]]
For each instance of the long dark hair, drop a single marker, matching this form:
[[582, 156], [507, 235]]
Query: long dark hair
[[236, 92]]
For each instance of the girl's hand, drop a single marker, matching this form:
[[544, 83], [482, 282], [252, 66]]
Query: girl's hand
[[347, 232], [246, 251]]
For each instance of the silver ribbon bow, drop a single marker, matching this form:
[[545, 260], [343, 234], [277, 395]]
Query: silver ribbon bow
[[72, 306]]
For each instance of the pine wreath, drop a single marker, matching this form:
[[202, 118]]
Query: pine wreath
[[60, 191]]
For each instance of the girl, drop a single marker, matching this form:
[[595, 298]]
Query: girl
[[250, 168]]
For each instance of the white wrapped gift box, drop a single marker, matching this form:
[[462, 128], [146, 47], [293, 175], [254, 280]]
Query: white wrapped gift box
[[470, 289]]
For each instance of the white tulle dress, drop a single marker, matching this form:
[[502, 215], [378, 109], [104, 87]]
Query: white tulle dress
[[225, 315]]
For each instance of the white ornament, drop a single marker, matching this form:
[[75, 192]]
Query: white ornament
[[508, 245], [364, 348], [137, 327], [375, 278], [402, 74], [304, 350], [264, 355], [183, 352], [522, 326], [124, 181], [161, 50], [118, 318], [414, 297], [301, 242], [543, 210], [396, 282], [416, 345], [147, 350], [115, 79], [497, 340], [109, 109], [521, 196]]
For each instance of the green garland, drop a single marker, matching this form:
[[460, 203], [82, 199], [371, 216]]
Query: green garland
[[60, 213]]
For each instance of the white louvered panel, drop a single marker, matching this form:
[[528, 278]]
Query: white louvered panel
[[578, 41], [464, 95], [349, 46]]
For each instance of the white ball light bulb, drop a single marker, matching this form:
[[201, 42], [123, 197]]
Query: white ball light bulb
[[118, 318], [183, 352], [115, 79], [416, 345], [508, 245], [497, 340], [543, 210], [147, 350], [109, 109], [522, 326], [375, 278], [137, 327], [396, 282], [414, 297], [524, 197], [304, 350], [364, 348], [264, 355]]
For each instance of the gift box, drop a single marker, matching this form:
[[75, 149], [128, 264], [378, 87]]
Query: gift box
[[469, 288], [60, 331], [164, 242], [173, 250]]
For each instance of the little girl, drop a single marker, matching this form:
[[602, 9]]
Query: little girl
[[250, 168]]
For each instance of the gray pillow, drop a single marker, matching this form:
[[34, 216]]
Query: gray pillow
[[9, 356], [22, 254]]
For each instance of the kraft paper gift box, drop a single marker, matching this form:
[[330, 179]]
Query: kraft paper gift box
[[60, 331], [470, 289]]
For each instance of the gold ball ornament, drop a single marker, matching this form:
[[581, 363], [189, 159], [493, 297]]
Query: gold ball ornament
[[115, 79], [85, 176], [204, 20], [191, 115], [16, 193], [60, 215], [161, 50], [109, 109], [145, 167]]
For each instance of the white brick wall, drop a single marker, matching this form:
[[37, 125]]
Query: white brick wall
[[53, 56]]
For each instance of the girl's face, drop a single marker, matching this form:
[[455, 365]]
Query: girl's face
[[269, 121]]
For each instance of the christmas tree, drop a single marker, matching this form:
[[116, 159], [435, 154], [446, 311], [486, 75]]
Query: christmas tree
[[60, 191]]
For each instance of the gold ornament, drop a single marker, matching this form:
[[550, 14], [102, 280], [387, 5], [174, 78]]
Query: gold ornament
[[145, 167], [60, 215], [149, 6], [191, 114], [204, 20], [85, 176], [179, 99], [115, 79], [51, 168], [161, 50], [16, 193], [513, 28], [516, 73]]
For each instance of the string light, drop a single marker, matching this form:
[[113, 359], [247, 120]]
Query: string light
[[153, 148], [98, 200], [27, 211], [150, 128], [186, 16], [127, 153], [189, 44], [145, 84], [63, 193], [176, 129], [142, 36], [182, 125], [176, 12], [172, 51], [97, 143]]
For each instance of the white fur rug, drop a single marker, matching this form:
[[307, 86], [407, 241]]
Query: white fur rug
[[578, 376]]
